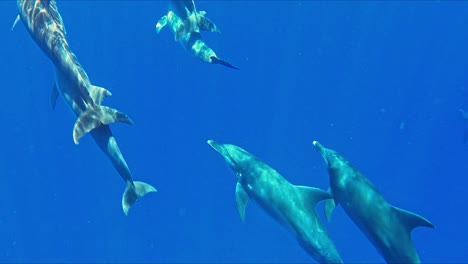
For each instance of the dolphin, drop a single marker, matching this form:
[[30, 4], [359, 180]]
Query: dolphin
[[44, 23], [186, 22], [291, 205], [386, 226]]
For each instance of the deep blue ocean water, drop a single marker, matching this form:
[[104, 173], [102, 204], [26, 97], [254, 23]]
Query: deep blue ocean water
[[380, 82]]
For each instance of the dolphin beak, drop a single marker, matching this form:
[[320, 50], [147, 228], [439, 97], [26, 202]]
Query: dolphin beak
[[321, 149], [221, 149], [218, 148], [214, 145]]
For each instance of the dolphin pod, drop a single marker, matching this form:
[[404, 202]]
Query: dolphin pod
[[290, 205], [44, 23], [387, 227], [186, 22]]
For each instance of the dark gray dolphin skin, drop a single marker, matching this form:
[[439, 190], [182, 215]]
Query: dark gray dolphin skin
[[386, 226], [46, 27], [186, 22], [291, 205]]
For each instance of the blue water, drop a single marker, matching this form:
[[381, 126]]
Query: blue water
[[380, 82]]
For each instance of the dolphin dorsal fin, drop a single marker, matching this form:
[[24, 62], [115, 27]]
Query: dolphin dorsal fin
[[93, 117], [411, 220], [242, 198], [329, 206], [98, 94], [311, 196], [206, 24]]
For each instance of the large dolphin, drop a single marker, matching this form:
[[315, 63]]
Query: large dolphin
[[45, 25], [186, 22], [386, 226], [291, 205]]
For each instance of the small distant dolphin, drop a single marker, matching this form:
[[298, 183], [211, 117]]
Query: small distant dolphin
[[292, 206], [45, 25], [186, 22], [386, 226]]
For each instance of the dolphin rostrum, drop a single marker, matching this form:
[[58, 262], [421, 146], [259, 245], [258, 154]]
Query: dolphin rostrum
[[186, 22], [386, 226], [45, 25], [291, 205]]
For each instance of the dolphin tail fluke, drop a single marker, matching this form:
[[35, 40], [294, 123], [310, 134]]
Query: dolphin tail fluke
[[95, 116], [161, 23], [133, 192], [411, 220], [215, 60]]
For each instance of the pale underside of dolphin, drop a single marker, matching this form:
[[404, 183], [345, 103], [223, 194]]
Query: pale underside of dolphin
[[386, 226], [186, 23], [44, 24], [291, 205]]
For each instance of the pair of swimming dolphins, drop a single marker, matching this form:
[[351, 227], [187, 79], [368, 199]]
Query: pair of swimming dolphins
[[44, 23], [186, 22], [386, 226]]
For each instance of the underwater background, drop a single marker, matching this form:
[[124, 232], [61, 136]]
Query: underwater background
[[381, 82]]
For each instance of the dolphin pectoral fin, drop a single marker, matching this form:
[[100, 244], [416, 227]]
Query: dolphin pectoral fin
[[242, 198], [161, 23], [215, 60], [411, 220], [133, 192], [206, 24], [98, 94], [95, 116], [15, 22], [53, 96]]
